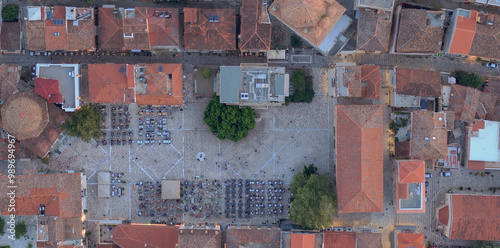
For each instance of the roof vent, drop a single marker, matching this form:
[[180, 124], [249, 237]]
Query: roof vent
[[440, 118], [42, 210], [160, 68], [274, 7], [433, 137], [57, 34], [122, 69], [426, 138], [213, 18]]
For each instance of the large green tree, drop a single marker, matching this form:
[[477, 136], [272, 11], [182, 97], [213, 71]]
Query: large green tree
[[20, 230], [10, 12], [314, 202], [469, 79], [302, 87], [229, 122], [2, 226], [84, 123]]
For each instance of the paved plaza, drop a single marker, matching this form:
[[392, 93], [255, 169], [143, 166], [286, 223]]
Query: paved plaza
[[283, 141]]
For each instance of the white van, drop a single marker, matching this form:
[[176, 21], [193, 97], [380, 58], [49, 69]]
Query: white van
[[445, 174]]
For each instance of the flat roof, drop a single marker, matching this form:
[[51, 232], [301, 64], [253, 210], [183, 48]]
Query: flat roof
[[414, 201], [230, 83], [69, 82], [484, 144]]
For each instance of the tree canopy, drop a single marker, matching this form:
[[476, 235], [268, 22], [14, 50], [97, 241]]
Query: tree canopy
[[314, 202], [229, 122], [469, 79], [484, 244], [20, 230], [206, 72], [295, 41], [84, 123], [10, 12], [302, 87]]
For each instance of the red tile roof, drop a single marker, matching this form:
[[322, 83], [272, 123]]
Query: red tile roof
[[476, 165], [371, 83], [109, 31], [255, 26], [11, 36], [301, 240], [165, 87], [237, 238], [202, 34], [465, 29], [163, 32], [469, 104], [374, 30], [359, 158], [411, 171], [368, 240], [115, 83], [141, 235], [475, 217], [444, 214], [418, 82], [32, 121], [416, 34], [411, 240], [149, 27], [48, 89], [402, 149], [60, 193], [486, 42], [108, 84], [9, 80], [333, 239], [200, 238], [429, 136], [70, 35]]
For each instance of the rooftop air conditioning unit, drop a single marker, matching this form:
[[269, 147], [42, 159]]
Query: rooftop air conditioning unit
[[339, 229], [244, 96]]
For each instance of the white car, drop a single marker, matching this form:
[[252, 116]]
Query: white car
[[492, 65]]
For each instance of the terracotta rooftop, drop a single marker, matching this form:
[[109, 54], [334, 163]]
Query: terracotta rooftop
[[11, 36], [200, 238], [48, 89], [109, 31], [255, 238], [60, 193], [359, 158], [47, 34], [164, 85], [369, 240], [444, 214], [141, 235], [201, 33], [494, 88], [374, 30], [302, 240], [475, 217], [20, 151], [416, 32], [411, 171], [33, 121], [9, 80], [402, 149], [429, 135], [362, 81], [255, 26], [312, 19], [108, 84], [461, 41], [142, 28], [418, 82], [469, 104], [333, 239], [486, 42], [411, 240], [115, 83]]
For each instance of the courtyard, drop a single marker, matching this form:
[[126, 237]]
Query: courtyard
[[282, 142]]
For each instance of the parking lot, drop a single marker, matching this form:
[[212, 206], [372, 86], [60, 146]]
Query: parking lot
[[283, 141]]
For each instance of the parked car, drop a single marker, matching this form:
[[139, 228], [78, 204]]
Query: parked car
[[492, 65], [426, 184], [428, 175], [445, 174]]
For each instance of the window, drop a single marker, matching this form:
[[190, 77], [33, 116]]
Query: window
[[57, 34]]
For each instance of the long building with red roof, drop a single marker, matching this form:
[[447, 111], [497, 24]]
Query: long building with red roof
[[359, 158]]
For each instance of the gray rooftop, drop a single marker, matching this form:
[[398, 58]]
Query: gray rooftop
[[230, 84], [414, 200], [253, 84]]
